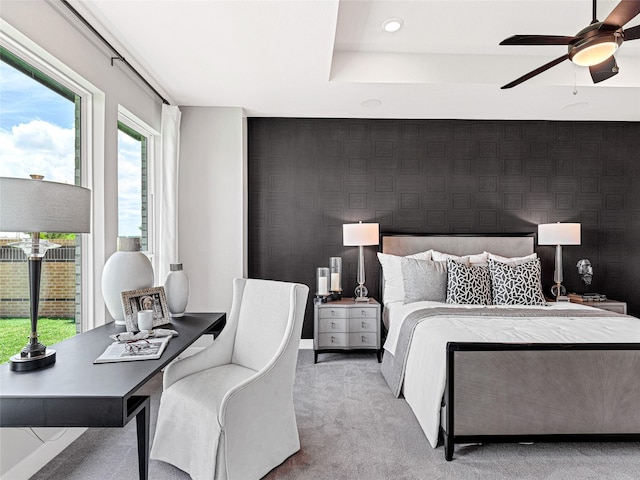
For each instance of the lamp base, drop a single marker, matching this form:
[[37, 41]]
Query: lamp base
[[558, 290], [25, 364], [361, 293]]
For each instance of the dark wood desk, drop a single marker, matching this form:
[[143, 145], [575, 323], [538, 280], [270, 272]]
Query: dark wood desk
[[75, 392]]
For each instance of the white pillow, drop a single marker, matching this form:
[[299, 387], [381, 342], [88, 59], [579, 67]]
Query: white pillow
[[476, 259], [512, 261], [392, 270]]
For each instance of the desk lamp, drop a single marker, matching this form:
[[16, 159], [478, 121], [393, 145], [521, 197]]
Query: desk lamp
[[36, 206]]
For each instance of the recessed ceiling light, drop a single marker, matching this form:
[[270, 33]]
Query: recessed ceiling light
[[371, 103], [392, 24]]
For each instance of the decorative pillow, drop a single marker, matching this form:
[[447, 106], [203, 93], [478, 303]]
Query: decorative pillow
[[392, 271], [468, 284], [478, 258], [517, 285], [512, 261], [424, 280]]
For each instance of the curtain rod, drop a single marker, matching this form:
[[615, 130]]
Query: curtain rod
[[117, 54]]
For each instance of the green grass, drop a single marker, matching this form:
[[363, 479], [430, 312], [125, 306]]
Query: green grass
[[14, 333]]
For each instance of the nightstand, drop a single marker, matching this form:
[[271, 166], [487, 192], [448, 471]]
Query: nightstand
[[346, 325], [610, 305]]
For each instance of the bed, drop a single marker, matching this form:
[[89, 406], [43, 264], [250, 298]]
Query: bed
[[522, 371]]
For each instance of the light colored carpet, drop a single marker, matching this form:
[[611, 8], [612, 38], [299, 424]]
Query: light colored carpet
[[351, 427]]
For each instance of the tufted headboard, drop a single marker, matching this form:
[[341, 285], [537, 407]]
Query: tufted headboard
[[516, 245], [506, 245]]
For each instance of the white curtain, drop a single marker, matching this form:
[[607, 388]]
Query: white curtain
[[168, 215]]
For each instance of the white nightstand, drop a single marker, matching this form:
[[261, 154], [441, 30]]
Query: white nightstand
[[610, 305], [346, 325]]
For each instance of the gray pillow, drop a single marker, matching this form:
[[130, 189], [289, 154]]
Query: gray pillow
[[424, 280]]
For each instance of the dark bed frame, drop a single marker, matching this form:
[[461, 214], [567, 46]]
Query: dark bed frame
[[547, 392], [542, 392]]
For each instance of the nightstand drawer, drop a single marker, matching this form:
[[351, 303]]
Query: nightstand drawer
[[333, 340], [332, 312], [363, 312], [363, 324], [328, 325], [363, 339]]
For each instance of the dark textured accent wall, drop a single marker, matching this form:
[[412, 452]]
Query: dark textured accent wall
[[309, 176]]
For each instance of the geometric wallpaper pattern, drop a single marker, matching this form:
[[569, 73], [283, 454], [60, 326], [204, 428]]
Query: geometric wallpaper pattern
[[307, 177]]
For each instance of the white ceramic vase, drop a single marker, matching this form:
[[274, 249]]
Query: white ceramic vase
[[176, 288], [127, 269]]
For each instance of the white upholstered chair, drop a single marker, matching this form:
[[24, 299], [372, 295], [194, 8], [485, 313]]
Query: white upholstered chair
[[227, 411]]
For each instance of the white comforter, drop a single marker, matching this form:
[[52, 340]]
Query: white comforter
[[425, 375]]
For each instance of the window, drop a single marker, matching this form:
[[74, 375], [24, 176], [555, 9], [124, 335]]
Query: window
[[132, 185], [137, 143], [40, 133]]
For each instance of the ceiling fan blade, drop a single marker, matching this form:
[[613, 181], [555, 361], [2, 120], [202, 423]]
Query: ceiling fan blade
[[623, 12], [604, 70], [537, 71], [632, 33], [537, 40]]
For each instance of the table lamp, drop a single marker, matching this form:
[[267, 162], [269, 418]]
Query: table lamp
[[35, 206], [360, 235], [559, 234]]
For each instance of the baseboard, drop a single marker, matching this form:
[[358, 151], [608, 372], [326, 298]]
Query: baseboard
[[42, 455], [306, 344]]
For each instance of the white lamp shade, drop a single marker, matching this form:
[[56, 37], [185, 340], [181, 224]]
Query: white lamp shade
[[559, 234], [30, 205], [356, 234]]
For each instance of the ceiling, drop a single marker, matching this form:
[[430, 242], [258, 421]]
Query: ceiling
[[330, 58]]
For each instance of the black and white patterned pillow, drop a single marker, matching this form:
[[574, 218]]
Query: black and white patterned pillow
[[468, 284], [517, 285]]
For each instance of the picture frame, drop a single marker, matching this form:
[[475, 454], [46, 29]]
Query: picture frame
[[153, 298]]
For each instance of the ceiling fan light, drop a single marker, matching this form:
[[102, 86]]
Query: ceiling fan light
[[594, 54]]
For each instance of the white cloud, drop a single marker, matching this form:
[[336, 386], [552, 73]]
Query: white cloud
[[38, 147], [129, 186]]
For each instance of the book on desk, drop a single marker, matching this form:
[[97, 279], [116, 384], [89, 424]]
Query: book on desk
[[144, 349]]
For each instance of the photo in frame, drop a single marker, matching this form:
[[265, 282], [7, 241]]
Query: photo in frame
[[153, 298]]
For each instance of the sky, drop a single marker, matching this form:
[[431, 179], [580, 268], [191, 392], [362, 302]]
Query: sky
[[37, 135]]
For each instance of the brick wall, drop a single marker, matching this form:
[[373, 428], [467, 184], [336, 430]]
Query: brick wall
[[57, 286]]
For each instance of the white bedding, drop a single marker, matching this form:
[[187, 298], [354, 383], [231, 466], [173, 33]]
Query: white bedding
[[396, 312], [425, 376]]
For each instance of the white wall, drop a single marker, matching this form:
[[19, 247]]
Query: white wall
[[212, 204]]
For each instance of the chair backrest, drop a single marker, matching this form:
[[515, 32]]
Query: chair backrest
[[270, 316]]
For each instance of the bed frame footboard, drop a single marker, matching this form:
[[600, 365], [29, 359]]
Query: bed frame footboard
[[551, 392]]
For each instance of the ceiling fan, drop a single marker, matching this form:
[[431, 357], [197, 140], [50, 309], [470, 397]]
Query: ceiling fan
[[593, 46]]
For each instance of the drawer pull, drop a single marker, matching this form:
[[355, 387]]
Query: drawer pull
[[364, 339], [334, 313], [333, 339], [333, 324], [364, 324], [363, 313]]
